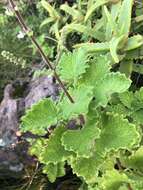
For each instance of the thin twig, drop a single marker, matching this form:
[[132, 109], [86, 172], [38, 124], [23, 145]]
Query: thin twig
[[33, 176], [39, 49]]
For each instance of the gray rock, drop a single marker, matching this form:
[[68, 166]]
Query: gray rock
[[8, 118], [11, 109], [40, 88]]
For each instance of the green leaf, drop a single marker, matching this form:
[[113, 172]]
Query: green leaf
[[117, 133], [134, 161], [127, 98], [87, 168], [134, 101], [98, 68], [124, 20], [72, 65], [54, 151], [111, 83], [111, 23], [41, 116], [119, 109], [139, 95], [52, 12], [81, 141], [54, 171], [113, 179], [111, 28], [36, 146], [77, 27], [54, 29], [138, 116], [93, 7], [46, 22], [134, 42], [82, 96], [137, 103], [138, 185], [126, 67], [72, 11], [94, 47], [135, 54], [114, 46]]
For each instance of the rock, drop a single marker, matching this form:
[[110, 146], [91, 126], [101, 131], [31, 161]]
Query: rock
[[10, 163], [8, 118], [39, 88], [13, 149]]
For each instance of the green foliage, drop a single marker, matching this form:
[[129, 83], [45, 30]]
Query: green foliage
[[39, 118], [117, 134], [112, 83], [88, 168], [54, 151], [73, 140], [125, 15], [82, 96], [96, 51], [113, 180], [72, 65], [54, 171], [135, 160]]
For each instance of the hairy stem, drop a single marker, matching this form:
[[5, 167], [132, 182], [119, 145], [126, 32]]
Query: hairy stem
[[39, 49]]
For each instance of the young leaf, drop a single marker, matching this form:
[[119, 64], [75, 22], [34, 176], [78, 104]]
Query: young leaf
[[81, 141], [54, 171], [41, 116], [36, 147], [72, 65]]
